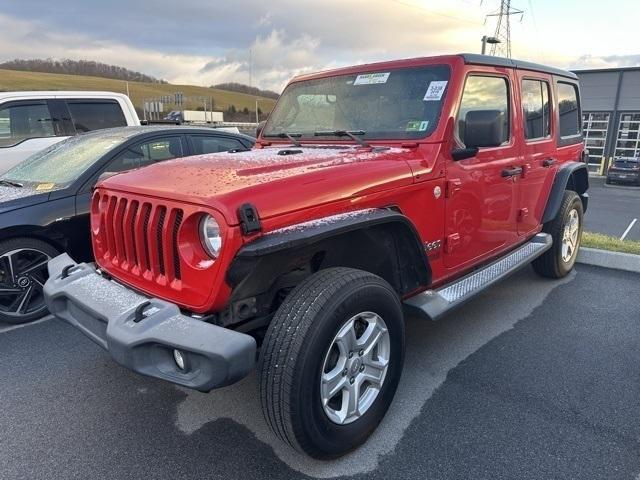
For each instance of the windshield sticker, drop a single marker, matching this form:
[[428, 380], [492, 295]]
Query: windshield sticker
[[371, 78], [417, 126], [413, 126], [43, 187], [435, 91]]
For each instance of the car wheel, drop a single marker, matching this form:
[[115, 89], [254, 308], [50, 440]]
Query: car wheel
[[23, 271], [566, 231], [331, 361]]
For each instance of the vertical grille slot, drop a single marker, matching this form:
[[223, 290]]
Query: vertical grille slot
[[146, 214], [110, 234], [128, 232], [118, 229], [162, 212], [176, 254]]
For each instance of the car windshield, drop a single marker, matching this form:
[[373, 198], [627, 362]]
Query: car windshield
[[62, 163], [393, 104]]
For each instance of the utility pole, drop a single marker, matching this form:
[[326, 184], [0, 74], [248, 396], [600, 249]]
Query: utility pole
[[250, 68], [503, 29]]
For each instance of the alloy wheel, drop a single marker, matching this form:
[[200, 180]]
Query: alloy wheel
[[570, 236], [22, 276], [355, 368]]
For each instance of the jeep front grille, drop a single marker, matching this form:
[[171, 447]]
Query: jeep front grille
[[140, 236]]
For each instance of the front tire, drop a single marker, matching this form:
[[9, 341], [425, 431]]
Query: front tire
[[331, 361], [23, 271], [566, 231]]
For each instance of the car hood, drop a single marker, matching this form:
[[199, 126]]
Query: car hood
[[275, 180], [12, 198]]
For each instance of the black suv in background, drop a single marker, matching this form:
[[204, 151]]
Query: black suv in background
[[45, 200], [624, 170]]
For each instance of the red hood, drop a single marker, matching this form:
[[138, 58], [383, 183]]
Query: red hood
[[275, 184]]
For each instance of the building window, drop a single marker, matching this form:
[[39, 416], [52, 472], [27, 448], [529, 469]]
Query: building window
[[568, 108], [595, 126], [628, 141]]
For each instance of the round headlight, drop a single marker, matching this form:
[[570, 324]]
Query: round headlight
[[210, 236]]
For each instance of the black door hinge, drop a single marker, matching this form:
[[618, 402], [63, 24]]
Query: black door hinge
[[249, 219]]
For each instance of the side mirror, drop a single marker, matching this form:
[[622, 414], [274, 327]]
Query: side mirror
[[481, 128], [484, 128]]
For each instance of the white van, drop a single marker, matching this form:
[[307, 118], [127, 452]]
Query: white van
[[31, 121]]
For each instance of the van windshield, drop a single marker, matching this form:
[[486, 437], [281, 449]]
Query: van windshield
[[393, 104], [63, 162]]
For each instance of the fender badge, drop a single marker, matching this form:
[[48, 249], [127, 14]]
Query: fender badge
[[437, 191]]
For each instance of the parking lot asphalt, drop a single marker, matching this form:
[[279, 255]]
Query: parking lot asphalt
[[612, 209], [534, 379]]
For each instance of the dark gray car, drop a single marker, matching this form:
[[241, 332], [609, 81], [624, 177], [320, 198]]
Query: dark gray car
[[45, 200], [624, 170]]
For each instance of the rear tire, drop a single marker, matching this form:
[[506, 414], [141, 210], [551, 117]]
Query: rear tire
[[23, 271], [339, 335], [566, 231]]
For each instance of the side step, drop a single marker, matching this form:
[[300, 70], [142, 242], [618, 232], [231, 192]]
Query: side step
[[435, 303]]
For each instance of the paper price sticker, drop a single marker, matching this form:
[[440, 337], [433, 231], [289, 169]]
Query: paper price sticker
[[371, 78], [435, 91]]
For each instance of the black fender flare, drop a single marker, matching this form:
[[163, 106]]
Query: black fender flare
[[394, 251], [570, 176]]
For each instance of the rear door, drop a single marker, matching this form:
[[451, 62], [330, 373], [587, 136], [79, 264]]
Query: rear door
[[480, 203], [539, 162]]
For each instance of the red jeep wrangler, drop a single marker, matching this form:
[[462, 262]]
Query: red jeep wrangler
[[374, 192]]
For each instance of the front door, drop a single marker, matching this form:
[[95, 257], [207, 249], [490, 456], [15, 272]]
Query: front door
[[481, 191]]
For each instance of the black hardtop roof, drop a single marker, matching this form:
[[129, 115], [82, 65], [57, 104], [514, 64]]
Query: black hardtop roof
[[477, 59]]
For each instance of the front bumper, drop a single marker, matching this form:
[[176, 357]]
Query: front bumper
[[141, 333]]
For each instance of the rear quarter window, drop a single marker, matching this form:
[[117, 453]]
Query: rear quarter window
[[568, 109], [203, 144], [88, 115]]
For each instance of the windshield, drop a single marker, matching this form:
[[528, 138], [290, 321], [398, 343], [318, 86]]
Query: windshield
[[62, 163], [395, 104]]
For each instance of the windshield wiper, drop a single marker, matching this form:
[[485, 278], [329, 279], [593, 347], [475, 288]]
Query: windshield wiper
[[291, 136], [344, 133], [10, 183]]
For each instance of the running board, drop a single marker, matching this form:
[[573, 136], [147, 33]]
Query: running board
[[435, 303]]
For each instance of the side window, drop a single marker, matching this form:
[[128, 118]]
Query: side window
[[90, 115], [204, 144], [146, 153], [535, 109], [21, 121], [484, 93], [568, 109]]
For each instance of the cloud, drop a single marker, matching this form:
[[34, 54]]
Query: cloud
[[205, 43], [607, 61]]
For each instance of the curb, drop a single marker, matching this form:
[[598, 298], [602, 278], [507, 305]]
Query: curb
[[622, 187], [604, 258]]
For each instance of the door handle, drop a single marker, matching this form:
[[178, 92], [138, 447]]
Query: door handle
[[512, 172], [548, 162]]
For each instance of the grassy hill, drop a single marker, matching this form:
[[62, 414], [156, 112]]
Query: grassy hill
[[11, 80]]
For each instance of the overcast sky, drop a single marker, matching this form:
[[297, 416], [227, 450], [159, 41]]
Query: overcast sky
[[206, 42]]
